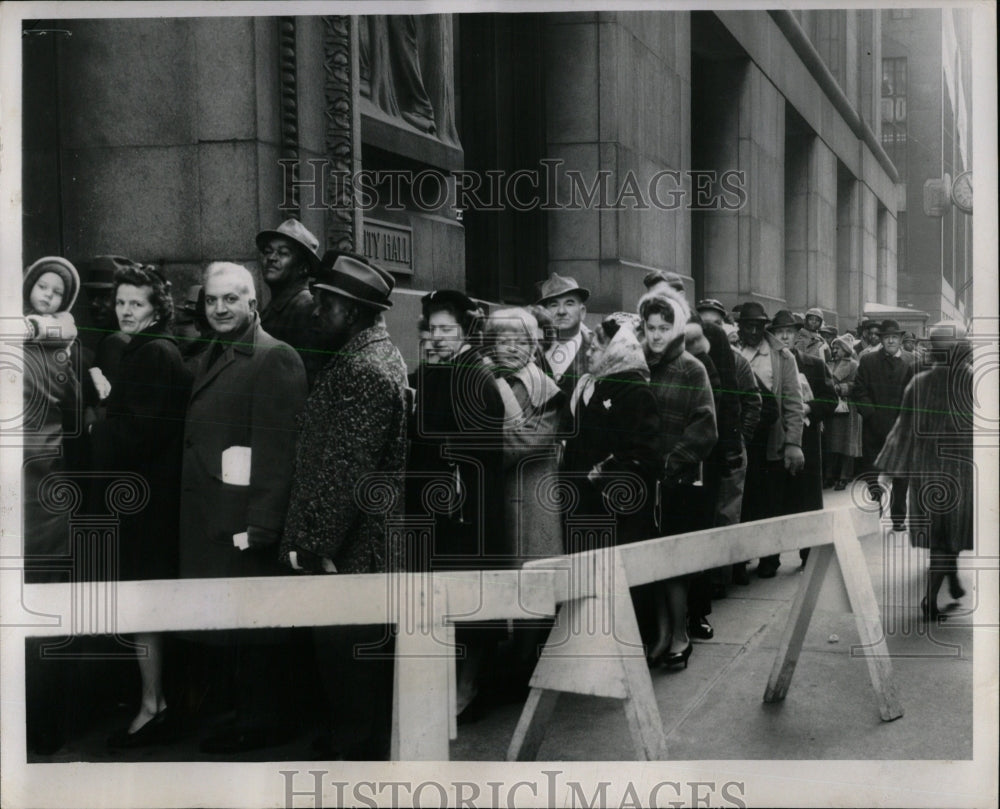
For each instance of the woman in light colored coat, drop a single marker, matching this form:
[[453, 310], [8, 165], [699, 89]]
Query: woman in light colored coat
[[533, 408]]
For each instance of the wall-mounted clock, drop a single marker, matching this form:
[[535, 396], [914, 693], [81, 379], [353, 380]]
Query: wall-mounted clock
[[961, 192]]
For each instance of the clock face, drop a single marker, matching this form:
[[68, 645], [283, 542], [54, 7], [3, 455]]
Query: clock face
[[961, 192]]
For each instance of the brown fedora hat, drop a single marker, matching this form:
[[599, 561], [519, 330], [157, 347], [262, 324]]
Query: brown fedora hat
[[556, 285], [353, 279], [295, 231]]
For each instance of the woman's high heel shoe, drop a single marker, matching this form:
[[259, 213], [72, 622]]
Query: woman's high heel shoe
[[955, 588], [678, 658]]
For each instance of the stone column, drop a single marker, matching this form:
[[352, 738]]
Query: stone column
[[810, 224], [869, 246], [886, 289], [618, 110], [848, 276], [761, 248]]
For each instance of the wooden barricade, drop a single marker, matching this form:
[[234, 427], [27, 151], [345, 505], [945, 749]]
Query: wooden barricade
[[620, 669], [594, 648]]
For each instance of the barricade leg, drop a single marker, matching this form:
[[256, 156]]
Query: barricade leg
[[421, 704], [531, 727], [605, 660], [866, 616], [798, 622]]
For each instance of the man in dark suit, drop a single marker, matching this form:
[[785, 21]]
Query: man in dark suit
[[566, 302], [239, 447], [883, 375]]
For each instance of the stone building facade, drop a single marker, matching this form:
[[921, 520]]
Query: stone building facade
[[740, 149], [927, 130]]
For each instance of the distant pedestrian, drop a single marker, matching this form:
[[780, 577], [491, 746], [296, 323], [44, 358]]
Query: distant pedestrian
[[882, 377], [932, 439]]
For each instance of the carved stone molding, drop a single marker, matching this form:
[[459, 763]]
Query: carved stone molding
[[288, 95], [342, 137]]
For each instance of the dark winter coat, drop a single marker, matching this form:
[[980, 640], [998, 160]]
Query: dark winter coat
[[288, 317], [142, 433], [350, 457], [931, 443], [250, 397], [878, 392], [804, 490], [455, 473], [616, 441]]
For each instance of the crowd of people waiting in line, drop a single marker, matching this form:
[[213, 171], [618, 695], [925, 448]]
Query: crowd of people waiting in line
[[522, 433]]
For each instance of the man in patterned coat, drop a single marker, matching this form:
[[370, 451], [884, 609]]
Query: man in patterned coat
[[352, 444]]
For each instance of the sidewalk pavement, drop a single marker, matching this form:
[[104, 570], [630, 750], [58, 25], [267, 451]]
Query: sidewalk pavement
[[714, 708]]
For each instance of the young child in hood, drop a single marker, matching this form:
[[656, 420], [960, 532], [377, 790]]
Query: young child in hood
[[50, 288]]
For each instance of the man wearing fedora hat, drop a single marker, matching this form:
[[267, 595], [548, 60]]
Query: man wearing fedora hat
[[567, 356], [775, 451], [353, 429], [287, 258], [883, 375]]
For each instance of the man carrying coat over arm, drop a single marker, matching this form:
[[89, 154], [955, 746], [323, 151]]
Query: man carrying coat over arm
[[239, 442]]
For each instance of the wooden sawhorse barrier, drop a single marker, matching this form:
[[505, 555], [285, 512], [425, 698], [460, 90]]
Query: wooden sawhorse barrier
[[595, 647]]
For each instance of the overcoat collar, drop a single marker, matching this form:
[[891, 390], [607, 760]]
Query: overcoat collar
[[244, 344], [157, 331]]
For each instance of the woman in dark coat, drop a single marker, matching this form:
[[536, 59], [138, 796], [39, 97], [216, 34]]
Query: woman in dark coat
[[455, 473], [688, 433], [932, 438], [613, 459], [142, 433]]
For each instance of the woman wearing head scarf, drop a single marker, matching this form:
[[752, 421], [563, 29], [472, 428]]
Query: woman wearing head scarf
[[613, 458], [142, 433], [533, 410], [932, 441], [842, 432]]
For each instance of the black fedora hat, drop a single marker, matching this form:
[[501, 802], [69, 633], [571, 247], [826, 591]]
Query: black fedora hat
[[783, 319], [889, 326], [751, 310], [353, 279]]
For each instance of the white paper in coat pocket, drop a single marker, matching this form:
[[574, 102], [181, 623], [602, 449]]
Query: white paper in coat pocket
[[236, 466]]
